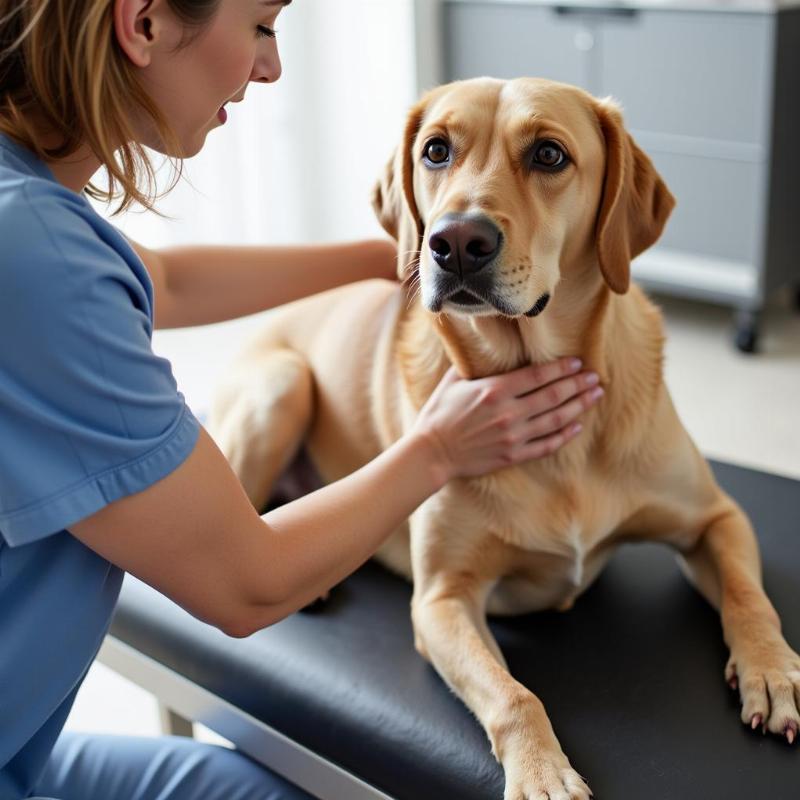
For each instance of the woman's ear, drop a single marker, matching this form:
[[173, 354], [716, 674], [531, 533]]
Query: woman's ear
[[137, 25], [394, 202], [635, 204]]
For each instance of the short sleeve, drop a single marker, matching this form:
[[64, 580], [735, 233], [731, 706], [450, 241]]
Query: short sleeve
[[88, 413]]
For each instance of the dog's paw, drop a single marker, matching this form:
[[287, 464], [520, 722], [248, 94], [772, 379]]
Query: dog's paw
[[545, 778], [767, 676]]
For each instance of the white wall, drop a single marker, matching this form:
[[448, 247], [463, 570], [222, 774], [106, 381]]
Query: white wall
[[296, 160]]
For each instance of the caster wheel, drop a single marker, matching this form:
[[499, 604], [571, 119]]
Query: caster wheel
[[746, 338]]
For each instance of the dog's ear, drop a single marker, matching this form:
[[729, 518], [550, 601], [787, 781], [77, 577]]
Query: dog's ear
[[393, 199], [635, 204]]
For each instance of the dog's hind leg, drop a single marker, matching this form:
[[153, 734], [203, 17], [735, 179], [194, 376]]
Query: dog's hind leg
[[260, 414]]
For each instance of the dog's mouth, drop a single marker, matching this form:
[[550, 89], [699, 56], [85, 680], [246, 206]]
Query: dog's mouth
[[538, 306], [464, 298], [468, 302]]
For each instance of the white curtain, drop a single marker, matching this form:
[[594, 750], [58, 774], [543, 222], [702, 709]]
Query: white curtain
[[296, 160]]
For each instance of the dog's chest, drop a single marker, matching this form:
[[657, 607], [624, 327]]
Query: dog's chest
[[556, 540], [538, 580]]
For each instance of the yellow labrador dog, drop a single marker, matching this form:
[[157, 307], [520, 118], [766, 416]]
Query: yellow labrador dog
[[518, 206]]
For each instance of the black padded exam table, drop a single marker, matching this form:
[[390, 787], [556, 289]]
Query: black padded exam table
[[339, 701]]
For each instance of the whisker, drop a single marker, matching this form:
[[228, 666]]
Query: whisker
[[412, 289], [413, 282], [415, 287]]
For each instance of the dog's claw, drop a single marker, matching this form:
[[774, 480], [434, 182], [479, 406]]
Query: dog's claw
[[791, 732], [755, 721]]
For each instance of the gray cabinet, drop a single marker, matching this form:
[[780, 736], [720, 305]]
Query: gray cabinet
[[710, 91]]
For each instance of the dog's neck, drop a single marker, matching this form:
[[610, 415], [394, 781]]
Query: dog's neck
[[574, 324], [584, 319]]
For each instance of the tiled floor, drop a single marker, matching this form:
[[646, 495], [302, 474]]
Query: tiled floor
[[744, 409]]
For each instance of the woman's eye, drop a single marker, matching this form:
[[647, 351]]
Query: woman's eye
[[437, 152], [549, 154], [264, 32]]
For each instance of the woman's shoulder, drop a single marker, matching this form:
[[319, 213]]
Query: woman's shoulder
[[60, 279], [39, 215], [52, 235]]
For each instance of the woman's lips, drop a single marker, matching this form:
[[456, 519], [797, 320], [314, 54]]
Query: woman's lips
[[222, 115]]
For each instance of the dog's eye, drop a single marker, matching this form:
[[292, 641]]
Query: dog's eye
[[437, 152], [549, 154]]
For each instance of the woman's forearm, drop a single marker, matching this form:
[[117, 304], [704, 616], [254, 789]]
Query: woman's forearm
[[315, 542], [208, 284]]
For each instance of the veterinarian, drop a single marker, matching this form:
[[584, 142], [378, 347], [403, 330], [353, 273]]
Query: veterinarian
[[103, 468]]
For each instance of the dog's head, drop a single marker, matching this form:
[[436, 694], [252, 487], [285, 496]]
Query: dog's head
[[499, 188]]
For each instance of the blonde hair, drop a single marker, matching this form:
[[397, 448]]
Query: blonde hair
[[61, 67]]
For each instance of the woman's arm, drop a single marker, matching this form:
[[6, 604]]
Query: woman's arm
[[204, 284], [195, 536]]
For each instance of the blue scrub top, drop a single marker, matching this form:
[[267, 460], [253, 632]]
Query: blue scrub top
[[88, 414]]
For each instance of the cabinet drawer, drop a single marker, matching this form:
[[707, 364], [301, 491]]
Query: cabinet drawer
[[512, 41], [719, 210], [695, 74]]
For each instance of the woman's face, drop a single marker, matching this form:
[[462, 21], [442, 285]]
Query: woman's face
[[191, 85]]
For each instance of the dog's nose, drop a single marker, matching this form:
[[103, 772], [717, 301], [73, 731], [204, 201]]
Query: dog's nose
[[464, 244]]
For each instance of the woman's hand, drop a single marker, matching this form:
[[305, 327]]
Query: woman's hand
[[478, 426]]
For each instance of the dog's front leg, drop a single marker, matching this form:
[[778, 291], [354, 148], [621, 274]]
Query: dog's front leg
[[726, 568], [450, 629]]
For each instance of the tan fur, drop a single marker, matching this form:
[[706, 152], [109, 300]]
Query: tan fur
[[533, 536]]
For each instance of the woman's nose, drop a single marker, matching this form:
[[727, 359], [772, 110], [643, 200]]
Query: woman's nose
[[267, 68]]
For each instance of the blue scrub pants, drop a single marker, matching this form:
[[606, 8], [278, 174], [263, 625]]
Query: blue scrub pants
[[95, 767]]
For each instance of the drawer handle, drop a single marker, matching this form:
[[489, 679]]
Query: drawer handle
[[609, 11]]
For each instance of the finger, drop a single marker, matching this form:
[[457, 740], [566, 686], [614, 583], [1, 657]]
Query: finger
[[527, 379], [547, 445], [553, 421], [547, 398], [451, 376]]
